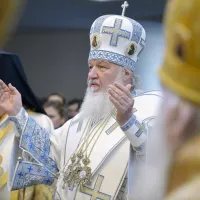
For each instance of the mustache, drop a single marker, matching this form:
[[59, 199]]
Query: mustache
[[92, 81]]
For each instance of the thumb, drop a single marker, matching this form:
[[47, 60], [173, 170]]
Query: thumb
[[129, 86], [12, 89]]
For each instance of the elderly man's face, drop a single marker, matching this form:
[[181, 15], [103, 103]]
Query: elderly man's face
[[101, 74]]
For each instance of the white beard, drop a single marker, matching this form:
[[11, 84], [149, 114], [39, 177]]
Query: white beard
[[96, 106]]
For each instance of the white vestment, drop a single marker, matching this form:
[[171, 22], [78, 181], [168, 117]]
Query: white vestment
[[108, 159]]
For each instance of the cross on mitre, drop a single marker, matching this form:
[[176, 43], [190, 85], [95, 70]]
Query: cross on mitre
[[124, 6]]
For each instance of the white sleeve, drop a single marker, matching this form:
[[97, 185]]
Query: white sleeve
[[135, 132]]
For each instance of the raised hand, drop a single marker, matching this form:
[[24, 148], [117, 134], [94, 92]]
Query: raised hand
[[122, 99], [10, 99]]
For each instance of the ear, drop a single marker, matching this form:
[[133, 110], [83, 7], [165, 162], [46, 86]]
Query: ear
[[127, 76]]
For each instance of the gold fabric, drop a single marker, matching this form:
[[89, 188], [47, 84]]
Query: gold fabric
[[36, 192], [184, 179], [9, 15], [180, 73], [181, 68], [3, 133]]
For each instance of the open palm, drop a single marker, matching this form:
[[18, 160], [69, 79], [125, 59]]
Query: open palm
[[10, 99]]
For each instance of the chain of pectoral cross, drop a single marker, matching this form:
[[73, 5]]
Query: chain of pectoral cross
[[83, 139], [71, 175]]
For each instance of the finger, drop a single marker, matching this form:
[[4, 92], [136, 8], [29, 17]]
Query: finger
[[1, 91], [117, 90], [3, 86], [117, 105], [12, 89], [129, 87], [124, 89], [4, 97], [1, 83], [117, 97], [120, 94]]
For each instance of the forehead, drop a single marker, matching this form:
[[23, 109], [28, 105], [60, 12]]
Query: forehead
[[100, 62], [51, 110], [55, 97]]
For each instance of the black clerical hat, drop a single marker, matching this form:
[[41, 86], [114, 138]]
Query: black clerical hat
[[11, 71]]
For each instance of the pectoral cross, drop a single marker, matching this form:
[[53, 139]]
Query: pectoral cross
[[124, 6], [95, 192]]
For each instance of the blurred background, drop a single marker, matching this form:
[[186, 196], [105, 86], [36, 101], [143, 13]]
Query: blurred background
[[52, 41]]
